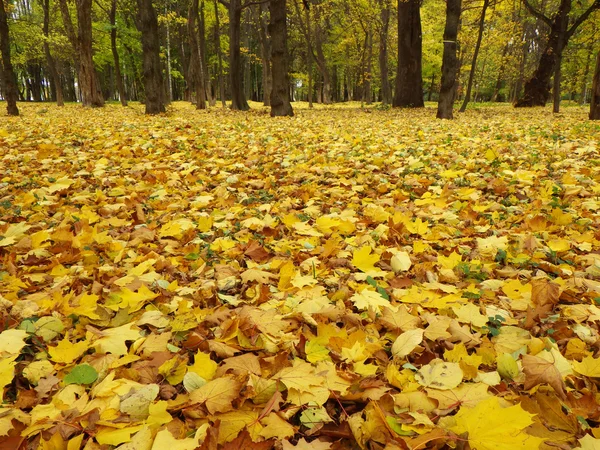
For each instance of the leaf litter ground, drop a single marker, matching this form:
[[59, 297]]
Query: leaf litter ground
[[342, 279]]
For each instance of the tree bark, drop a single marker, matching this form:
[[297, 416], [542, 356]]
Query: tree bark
[[368, 93], [236, 74], [217, 39], [265, 54], [280, 94], [203, 62], [449, 61], [11, 93], [58, 90], [562, 28], [321, 62], [196, 72], [112, 16], [91, 94], [409, 77], [153, 83], [386, 90], [467, 99], [595, 102]]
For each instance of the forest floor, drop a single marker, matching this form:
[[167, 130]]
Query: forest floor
[[341, 279]]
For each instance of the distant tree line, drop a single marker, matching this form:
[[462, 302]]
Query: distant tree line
[[399, 53]]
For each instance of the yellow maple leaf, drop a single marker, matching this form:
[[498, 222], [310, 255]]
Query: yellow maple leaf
[[491, 427], [363, 260], [165, 440], [217, 394], [407, 342], [113, 339], [7, 370], [203, 366], [12, 341], [173, 370], [66, 352], [589, 366], [14, 232]]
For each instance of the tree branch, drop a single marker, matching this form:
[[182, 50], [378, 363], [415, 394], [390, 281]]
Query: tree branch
[[225, 3], [245, 5], [534, 12], [582, 18]]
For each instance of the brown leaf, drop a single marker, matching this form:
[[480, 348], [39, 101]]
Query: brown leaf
[[212, 437], [257, 252], [244, 441], [538, 370]]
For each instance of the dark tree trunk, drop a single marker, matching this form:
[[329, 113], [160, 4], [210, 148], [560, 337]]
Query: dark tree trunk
[[196, 73], [409, 77], [91, 94], [265, 54], [153, 83], [386, 90], [203, 60], [368, 94], [35, 81], [11, 93], [467, 99], [280, 94], [586, 72], [113, 46], [431, 86], [217, 39], [236, 73], [537, 88], [500, 77], [58, 90], [449, 61], [595, 103], [321, 62], [309, 60]]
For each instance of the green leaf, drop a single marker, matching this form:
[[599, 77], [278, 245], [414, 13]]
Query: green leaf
[[81, 374]]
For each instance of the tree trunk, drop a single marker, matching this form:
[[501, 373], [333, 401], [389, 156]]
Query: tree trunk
[[537, 88], [58, 90], [91, 94], [112, 16], [280, 94], [321, 62], [203, 60], [586, 72], [196, 73], [449, 61], [236, 73], [595, 102], [153, 83], [217, 40], [35, 81], [409, 78], [486, 3], [11, 93], [265, 54], [368, 94], [386, 90]]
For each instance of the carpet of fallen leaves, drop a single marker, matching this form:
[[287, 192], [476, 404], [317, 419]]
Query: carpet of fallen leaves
[[342, 279]]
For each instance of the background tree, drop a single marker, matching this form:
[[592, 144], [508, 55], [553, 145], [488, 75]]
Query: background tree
[[280, 93], [91, 92], [153, 82], [562, 25], [450, 61], [409, 77], [595, 103], [463, 107], [9, 80]]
